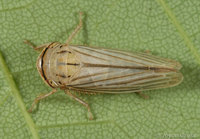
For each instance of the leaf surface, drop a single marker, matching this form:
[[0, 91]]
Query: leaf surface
[[167, 28]]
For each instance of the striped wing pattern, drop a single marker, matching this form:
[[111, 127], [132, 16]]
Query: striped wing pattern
[[111, 71]]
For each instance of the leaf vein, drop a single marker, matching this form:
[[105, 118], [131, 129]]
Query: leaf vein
[[17, 96], [180, 29]]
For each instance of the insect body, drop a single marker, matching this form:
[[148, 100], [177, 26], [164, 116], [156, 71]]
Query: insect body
[[89, 69]]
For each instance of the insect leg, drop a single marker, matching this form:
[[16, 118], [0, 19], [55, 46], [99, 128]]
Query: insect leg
[[42, 96], [76, 30], [38, 48], [82, 102], [142, 95], [148, 51]]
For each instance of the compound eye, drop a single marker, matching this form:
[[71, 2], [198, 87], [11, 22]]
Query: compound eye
[[52, 83]]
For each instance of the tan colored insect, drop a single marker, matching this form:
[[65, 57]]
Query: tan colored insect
[[89, 69]]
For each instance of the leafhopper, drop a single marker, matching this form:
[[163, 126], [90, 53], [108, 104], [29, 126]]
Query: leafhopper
[[98, 70]]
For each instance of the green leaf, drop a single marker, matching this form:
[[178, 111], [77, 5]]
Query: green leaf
[[167, 28]]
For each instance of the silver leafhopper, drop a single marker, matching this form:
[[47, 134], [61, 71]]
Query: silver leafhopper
[[98, 70]]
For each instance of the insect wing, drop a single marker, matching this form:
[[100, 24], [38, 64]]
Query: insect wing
[[111, 71]]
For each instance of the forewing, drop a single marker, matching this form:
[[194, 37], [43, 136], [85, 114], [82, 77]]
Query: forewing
[[111, 71]]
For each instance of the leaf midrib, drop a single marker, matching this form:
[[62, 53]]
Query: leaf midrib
[[17, 96]]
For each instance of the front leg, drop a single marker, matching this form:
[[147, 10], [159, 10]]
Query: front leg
[[76, 29], [82, 102], [37, 48], [41, 96]]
